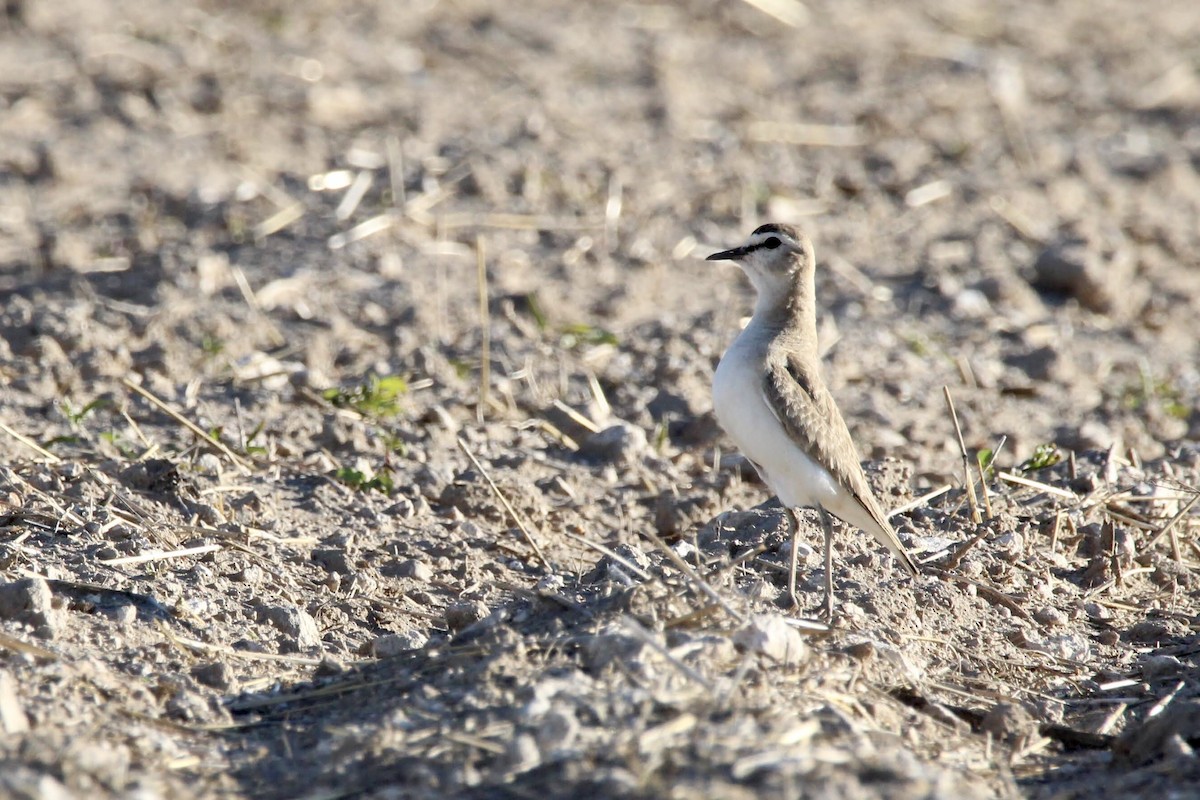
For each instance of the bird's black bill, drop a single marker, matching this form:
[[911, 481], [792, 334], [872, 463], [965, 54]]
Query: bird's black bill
[[729, 255]]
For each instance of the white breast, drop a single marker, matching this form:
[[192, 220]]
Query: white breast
[[743, 412]]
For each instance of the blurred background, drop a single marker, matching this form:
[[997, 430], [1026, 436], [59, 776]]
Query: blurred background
[[359, 245], [1003, 195]]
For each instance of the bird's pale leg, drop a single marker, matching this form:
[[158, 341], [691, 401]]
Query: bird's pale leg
[[794, 524], [827, 611]]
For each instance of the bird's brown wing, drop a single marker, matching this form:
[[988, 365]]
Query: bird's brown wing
[[795, 392]]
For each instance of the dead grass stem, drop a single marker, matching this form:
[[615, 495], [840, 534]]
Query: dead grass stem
[[512, 512], [968, 481]]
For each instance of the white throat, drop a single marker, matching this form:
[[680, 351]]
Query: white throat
[[770, 286]]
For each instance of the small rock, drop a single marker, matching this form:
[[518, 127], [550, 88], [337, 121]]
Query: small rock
[[155, 475], [329, 667], [1008, 289], [393, 644], [431, 481], [621, 443], [611, 569], [1136, 155], [30, 601], [251, 574], [762, 590], [863, 651], [123, 614], [1156, 666], [1010, 546], [216, 674], [1009, 723], [296, 623], [403, 508], [208, 464], [771, 635], [412, 568], [334, 559], [467, 612], [1050, 616], [208, 514], [467, 528], [1072, 647], [1040, 364], [1082, 269], [550, 585], [1085, 483], [970, 304], [803, 550], [604, 648], [187, 705], [684, 549]]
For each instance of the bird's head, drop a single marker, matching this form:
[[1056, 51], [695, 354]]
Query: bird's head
[[774, 257]]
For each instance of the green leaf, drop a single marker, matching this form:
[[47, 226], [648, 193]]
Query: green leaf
[[60, 440], [375, 397], [76, 417], [985, 457], [461, 368], [581, 334], [381, 482], [1044, 456], [535, 308]]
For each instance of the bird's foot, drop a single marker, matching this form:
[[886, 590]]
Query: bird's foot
[[822, 614], [825, 610]]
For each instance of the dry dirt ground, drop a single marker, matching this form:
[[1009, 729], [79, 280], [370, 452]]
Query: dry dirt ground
[[287, 511]]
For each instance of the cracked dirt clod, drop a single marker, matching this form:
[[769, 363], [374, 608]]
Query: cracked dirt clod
[[295, 623], [30, 601], [771, 636], [621, 443], [1076, 266]]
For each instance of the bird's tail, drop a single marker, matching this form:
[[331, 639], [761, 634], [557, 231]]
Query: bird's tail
[[870, 518]]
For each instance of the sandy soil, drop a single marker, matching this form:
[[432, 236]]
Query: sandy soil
[[286, 510]]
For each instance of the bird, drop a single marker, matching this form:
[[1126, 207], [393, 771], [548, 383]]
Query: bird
[[769, 397]]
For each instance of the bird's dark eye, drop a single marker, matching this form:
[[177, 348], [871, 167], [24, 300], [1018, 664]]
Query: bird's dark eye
[[772, 242]]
